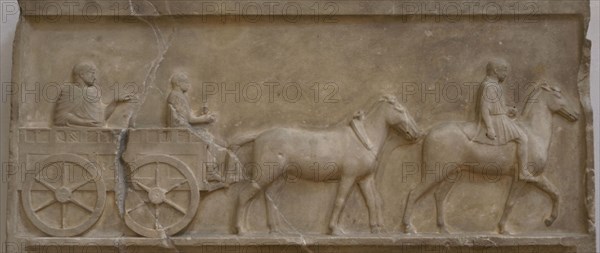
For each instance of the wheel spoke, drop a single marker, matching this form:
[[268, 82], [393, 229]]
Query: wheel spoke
[[47, 204], [136, 207], [76, 202], [156, 174], [63, 212], [175, 206], [181, 182], [46, 184], [79, 185], [64, 174], [156, 213], [145, 187]]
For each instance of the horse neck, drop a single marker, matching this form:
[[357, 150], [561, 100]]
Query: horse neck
[[537, 120], [376, 127]]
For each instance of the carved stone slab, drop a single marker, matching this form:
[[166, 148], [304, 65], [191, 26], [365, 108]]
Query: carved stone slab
[[304, 126]]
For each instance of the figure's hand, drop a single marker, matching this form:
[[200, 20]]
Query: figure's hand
[[491, 134], [86, 123], [129, 97], [92, 123], [512, 112], [210, 117]]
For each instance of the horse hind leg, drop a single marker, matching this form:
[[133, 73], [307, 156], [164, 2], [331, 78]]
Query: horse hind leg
[[270, 192], [440, 195], [344, 188], [413, 197], [247, 193]]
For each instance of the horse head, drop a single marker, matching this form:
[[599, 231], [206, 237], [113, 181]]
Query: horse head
[[398, 118], [555, 102]]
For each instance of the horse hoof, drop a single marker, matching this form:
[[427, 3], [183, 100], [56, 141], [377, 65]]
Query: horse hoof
[[409, 229], [443, 230], [275, 231], [549, 221], [376, 229], [502, 231], [336, 231], [238, 231]]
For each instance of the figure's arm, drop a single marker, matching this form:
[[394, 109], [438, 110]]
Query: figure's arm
[[485, 114], [110, 108], [204, 119], [71, 119]]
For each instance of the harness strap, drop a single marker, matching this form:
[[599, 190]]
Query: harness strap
[[359, 129]]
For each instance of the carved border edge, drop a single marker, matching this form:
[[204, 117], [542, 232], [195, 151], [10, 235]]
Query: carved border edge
[[298, 7], [12, 199], [583, 83]]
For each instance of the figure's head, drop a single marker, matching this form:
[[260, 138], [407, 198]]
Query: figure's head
[[497, 68], [180, 80], [398, 117], [85, 72]]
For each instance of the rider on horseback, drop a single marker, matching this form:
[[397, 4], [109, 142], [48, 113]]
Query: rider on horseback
[[496, 125]]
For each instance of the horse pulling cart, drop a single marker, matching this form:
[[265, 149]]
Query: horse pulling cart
[[68, 172]]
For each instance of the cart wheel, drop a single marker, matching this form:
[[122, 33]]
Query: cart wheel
[[66, 197], [162, 198]]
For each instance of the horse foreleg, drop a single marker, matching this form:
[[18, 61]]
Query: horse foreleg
[[378, 204], [440, 195], [342, 194], [514, 192], [248, 191], [543, 184], [367, 186], [270, 192]]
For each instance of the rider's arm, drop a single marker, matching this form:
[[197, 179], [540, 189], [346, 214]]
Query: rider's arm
[[485, 107]]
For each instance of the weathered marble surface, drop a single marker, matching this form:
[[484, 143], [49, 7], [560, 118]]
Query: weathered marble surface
[[179, 83]]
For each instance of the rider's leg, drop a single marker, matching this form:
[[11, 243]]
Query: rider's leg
[[523, 162]]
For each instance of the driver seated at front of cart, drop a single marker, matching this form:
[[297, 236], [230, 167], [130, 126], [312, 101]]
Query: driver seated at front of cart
[[181, 116]]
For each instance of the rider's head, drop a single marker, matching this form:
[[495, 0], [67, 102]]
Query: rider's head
[[497, 68], [181, 81]]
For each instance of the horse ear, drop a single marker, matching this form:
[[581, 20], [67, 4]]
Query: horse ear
[[388, 98], [545, 86]]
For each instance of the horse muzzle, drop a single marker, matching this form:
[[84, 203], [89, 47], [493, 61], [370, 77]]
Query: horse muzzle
[[568, 114], [411, 135]]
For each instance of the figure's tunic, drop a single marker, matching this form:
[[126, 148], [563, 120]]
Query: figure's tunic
[[84, 103], [491, 102], [178, 110]]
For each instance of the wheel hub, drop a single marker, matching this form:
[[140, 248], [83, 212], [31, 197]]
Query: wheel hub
[[156, 195], [63, 194]]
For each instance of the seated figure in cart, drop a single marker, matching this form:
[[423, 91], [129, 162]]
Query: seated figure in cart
[[80, 102]]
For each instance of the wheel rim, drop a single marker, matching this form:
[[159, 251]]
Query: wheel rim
[[158, 185], [64, 192]]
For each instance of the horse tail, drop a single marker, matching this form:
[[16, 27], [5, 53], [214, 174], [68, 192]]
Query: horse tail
[[239, 141]]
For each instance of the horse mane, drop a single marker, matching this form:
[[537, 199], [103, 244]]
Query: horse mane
[[382, 98], [531, 98], [370, 106]]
